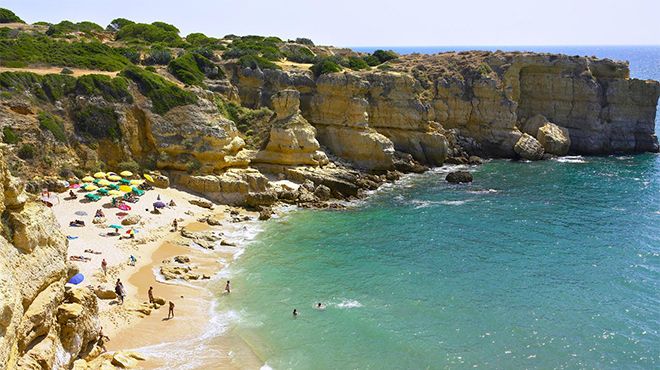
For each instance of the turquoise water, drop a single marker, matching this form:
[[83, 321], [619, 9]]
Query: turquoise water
[[552, 264]]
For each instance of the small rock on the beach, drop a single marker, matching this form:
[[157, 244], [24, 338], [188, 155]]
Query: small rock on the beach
[[159, 301], [204, 203], [131, 220], [104, 292], [214, 221], [227, 243], [182, 259]]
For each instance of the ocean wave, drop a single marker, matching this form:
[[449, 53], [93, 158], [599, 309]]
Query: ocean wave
[[348, 303], [484, 191], [570, 159], [428, 203]]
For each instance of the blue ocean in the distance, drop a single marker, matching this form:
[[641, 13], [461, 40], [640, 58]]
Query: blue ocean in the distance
[[552, 264]]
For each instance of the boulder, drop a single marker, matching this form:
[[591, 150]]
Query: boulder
[[105, 292], [204, 203], [554, 139], [458, 177], [529, 148], [265, 214], [214, 221], [323, 192], [532, 125], [181, 259], [124, 360], [131, 219], [159, 301]]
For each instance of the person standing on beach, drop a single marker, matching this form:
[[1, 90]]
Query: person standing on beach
[[175, 224], [170, 313], [227, 287], [119, 290], [102, 339], [104, 267], [151, 294]]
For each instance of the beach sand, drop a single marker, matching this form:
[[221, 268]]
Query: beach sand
[[194, 338]]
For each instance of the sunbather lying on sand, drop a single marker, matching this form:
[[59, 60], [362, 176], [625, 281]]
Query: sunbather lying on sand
[[80, 258], [91, 251], [77, 223]]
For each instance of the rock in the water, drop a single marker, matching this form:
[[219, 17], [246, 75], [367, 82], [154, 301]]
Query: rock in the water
[[182, 259], [124, 360], [131, 220], [529, 148], [554, 139], [458, 177], [204, 203], [265, 214]]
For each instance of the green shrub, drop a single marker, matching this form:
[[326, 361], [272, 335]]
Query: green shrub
[[130, 53], [67, 27], [151, 69], [26, 151], [304, 41], [193, 165], [97, 122], [325, 65], [192, 68], [117, 23], [50, 88], [9, 136], [111, 89], [53, 124], [371, 60], [28, 49], [265, 47], [357, 63], [158, 55], [7, 16], [164, 95], [255, 61], [384, 56], [200, 40], [299, 54], [155, 32]]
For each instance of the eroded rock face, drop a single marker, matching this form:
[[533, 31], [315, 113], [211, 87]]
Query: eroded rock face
[[40, 325], [233, 186], [292, 140]]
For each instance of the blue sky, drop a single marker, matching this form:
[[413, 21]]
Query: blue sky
[[382, 22]]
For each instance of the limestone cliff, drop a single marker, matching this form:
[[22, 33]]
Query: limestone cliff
[[41, 325]]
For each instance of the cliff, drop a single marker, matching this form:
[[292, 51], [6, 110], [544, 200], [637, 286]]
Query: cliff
[[42, 325]]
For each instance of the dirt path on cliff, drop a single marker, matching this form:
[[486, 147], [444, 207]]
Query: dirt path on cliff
[[77, 72]]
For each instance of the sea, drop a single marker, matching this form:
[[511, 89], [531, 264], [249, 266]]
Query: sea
[[535, 265]]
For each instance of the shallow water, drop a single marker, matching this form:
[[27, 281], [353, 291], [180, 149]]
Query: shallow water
[[541, 265]]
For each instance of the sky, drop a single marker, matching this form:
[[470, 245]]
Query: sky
[[381, 22]]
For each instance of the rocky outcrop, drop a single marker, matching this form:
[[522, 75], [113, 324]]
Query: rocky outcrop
[[457, 177], [554, 139], [234, 186], [41, 325], [292, 140]]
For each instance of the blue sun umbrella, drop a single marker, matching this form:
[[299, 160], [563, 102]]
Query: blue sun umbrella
[[77, 279], [116, 227]]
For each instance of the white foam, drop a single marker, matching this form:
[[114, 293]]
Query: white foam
[[349, 303], [485, 191], [570, 159]]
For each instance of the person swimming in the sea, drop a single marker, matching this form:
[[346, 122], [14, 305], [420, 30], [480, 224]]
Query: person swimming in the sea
[[320, 306], [295, 313]]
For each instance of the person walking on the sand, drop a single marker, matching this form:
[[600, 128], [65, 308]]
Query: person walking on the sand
[[104, 267], [151, 294], [227, 287], [170, 313], [175, 224]]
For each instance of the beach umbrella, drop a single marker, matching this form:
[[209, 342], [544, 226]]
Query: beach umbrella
[[148, 177], [99, 175], [114, 178], [91, 187], [103, 191], [104, 182], [81, 213], [114, 193], [159, 205], [88, 179], [136, 182], [125, 188], [124, 181], [113, 186], [126, 173], [77, 279], [113, 226], [74, 186]]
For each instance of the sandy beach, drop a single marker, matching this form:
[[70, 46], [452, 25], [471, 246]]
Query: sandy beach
[[194, 338]]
